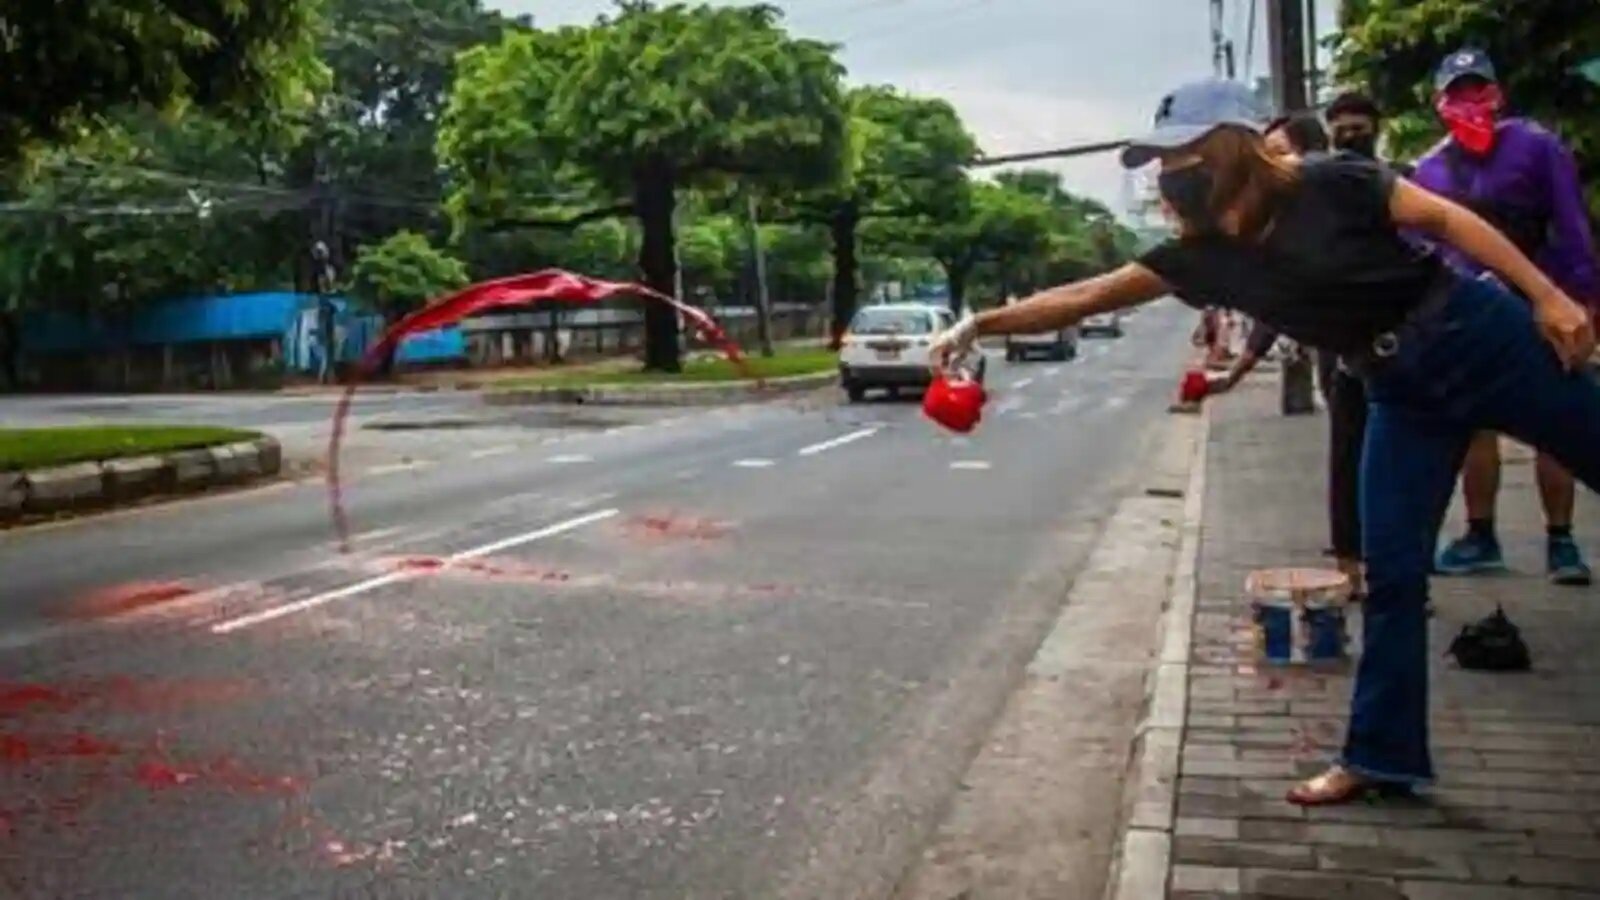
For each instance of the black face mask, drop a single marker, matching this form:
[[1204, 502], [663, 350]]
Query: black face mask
[[1360, 143], [1189, 192]]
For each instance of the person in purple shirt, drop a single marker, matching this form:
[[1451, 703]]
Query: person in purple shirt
[[1521, 179]]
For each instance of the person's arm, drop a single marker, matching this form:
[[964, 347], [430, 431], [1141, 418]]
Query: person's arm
[[1571, 253], [1565, 324], [1262, 337], [1055, 308]]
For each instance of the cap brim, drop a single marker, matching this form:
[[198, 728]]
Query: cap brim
[[1141, 151]]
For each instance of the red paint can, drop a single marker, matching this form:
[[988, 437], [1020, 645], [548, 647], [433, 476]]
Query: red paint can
[[956, 403]]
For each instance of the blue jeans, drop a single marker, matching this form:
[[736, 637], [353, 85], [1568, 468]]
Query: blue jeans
[[1479, 363]]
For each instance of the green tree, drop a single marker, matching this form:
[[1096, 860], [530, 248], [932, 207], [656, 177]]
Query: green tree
[[402, 273], [392, 64], [1391, 48], [1001, 226], [632, 110], [66, 64], [905, 161]]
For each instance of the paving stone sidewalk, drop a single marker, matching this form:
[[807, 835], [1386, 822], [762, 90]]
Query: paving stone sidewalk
[[1516, 812]]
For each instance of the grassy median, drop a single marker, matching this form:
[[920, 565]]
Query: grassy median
[[38, 448], [787, 362]]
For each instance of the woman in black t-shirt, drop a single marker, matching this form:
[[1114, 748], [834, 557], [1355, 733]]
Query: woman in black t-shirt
[[1313, 249]]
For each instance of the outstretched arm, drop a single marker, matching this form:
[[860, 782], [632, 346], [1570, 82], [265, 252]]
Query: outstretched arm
[[1565, 324], [1057, 307]]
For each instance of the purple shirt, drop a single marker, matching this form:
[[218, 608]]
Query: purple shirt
[[1532, 172]]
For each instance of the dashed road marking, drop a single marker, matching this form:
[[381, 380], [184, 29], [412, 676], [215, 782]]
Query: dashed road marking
[[571, 459], [1019, 385], [393, 468], [839, 441], [487, 452], [754, 464], [971, 465], [362, 587]]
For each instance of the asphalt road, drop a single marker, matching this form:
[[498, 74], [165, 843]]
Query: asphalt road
[[732, 653]]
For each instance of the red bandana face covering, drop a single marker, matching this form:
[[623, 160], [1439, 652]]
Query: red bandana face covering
[[1470, 115]]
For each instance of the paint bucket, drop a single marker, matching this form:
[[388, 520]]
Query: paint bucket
[[1299, 616]]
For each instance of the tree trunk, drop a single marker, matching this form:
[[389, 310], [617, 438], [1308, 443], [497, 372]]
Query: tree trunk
[[956, 275], [653, 203], [845, 288], [10, 349]]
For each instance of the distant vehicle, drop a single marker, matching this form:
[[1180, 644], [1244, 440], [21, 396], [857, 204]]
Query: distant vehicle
[[1103, 324], [1059, 346], [888, 347]]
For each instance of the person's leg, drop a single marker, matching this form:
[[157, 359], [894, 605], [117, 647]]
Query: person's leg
[[1347, 417], [1478, 550], [1409, 460], [1558, 494]]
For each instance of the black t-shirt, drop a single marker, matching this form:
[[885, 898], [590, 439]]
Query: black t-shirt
[[1333, 272]]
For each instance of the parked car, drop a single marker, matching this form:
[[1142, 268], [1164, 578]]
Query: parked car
[[888, 347], [1103, 324], [1056, 345]]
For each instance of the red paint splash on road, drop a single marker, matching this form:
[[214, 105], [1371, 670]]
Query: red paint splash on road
[[23, 699], [506, 570], [24, 749], [125, 598], [675, 527], [549, 286]]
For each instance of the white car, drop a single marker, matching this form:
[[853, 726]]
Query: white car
[[888, 347], [1106, 324]]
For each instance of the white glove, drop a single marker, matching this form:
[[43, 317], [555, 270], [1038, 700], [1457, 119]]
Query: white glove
[[953, 344]]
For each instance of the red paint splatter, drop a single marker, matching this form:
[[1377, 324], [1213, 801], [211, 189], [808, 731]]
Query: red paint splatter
[[549, 285], [23, 699], [676, 527], [125, 598], [20, 749], [482, 568]]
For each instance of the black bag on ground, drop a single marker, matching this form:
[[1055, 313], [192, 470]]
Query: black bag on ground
[[1491, 644]]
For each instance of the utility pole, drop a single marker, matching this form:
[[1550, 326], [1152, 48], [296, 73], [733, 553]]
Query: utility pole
[[759, 258], [1313, 70], [1286, 39]]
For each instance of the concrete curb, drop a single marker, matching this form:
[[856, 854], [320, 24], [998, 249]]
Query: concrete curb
[[1141, 862], [98, 485], [662, 395]]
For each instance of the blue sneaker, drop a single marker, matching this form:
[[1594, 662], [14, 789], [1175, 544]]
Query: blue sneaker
[[1471, 554], [1566, 563]]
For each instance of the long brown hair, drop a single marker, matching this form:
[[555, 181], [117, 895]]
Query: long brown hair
[[1245, 177]]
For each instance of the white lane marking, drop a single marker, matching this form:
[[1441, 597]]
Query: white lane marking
[[1009, 405], [1028, 415], [1052, 372], [487, 452], [840, 441], [971, 465], [1116, 402], [361, 587], [569, 459], [755, 464], [1019, 385], [393, 468]]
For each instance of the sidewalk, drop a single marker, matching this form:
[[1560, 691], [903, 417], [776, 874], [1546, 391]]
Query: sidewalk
[[1516, 813]]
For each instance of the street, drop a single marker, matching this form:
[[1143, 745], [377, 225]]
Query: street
[[570, 653]]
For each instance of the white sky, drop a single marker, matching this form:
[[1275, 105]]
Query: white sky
[[1024, 74]]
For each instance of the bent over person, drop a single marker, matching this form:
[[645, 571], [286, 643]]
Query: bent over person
[[1314, 249]]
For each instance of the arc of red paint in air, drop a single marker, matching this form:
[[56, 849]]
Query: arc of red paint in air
[[514, 290]]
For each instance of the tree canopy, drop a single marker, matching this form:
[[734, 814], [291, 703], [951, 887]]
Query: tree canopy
[[636, 108], [64, 63], [404, 272]]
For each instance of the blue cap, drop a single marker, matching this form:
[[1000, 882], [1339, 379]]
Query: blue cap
[[1193, 111], [1461, 64]]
